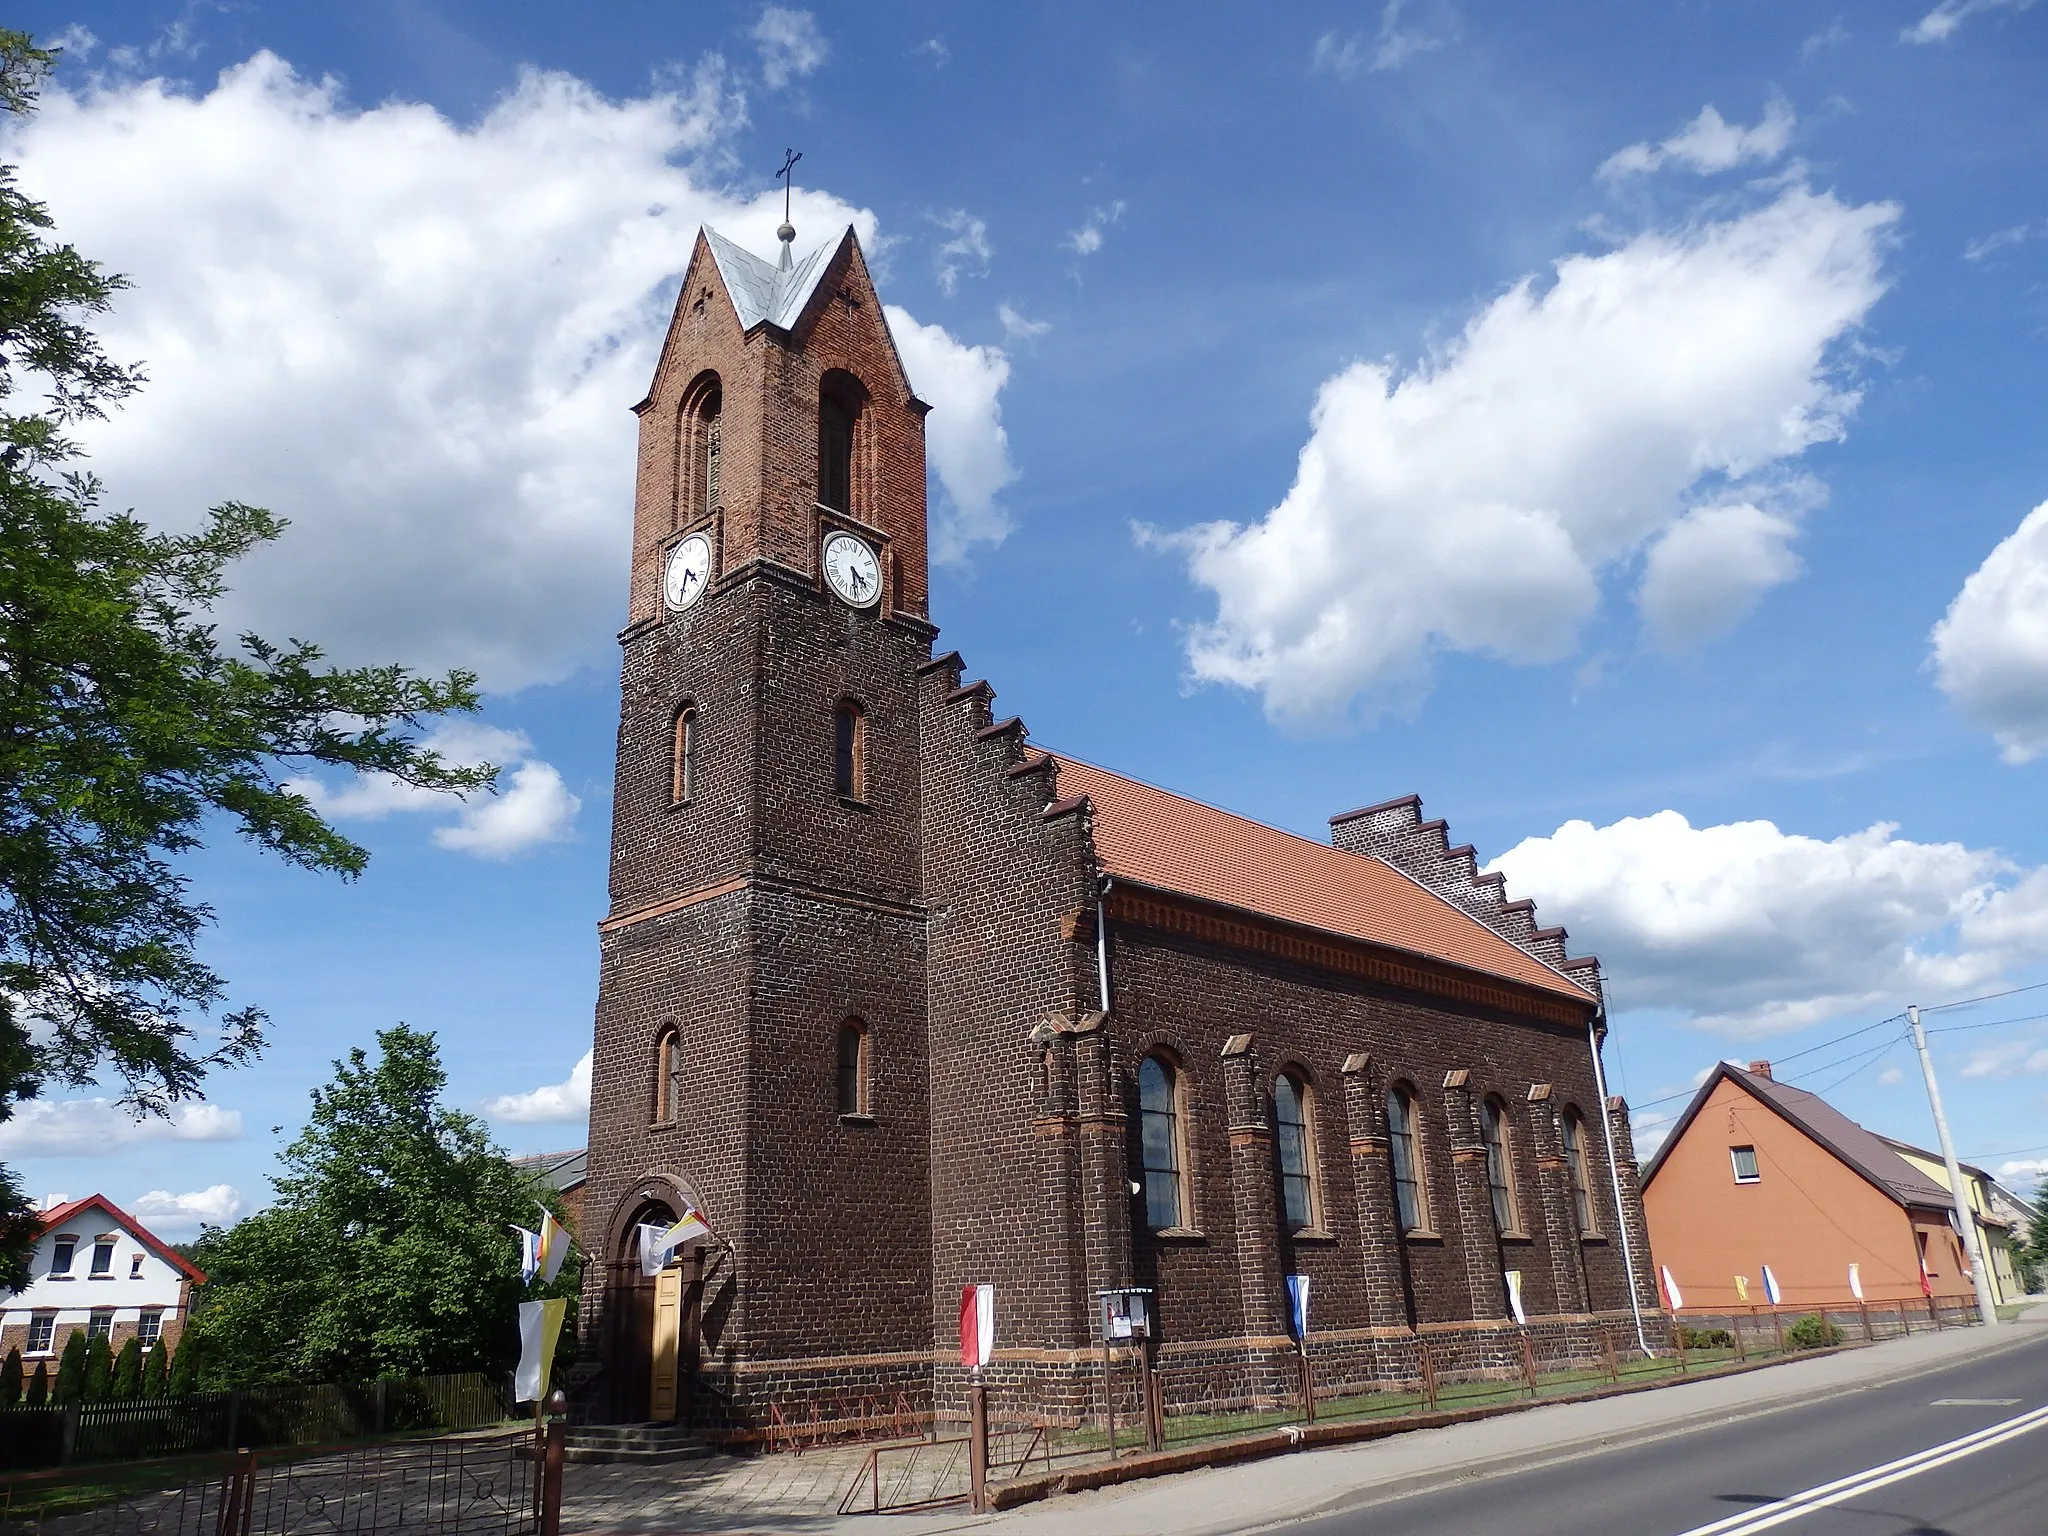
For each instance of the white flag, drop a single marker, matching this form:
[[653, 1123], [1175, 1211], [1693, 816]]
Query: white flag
[[1515, 1297], [1771, 1286], [1671, 1289], [1856, 1281], [529, 1253]]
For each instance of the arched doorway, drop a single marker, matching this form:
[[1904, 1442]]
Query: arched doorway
[[653, 1323]]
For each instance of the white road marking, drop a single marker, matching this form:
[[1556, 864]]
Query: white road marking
[[1974, 1402], [1764, 1517]]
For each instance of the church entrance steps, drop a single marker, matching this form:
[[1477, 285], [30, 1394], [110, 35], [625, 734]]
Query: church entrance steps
[[633, 1444]]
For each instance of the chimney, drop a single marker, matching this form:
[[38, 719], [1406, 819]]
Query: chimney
[[1761, 1069]]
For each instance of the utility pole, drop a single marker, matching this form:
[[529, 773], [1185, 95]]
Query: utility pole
[[1959, 1195]]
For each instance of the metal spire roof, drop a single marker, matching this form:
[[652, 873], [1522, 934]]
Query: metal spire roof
[[762, 292]]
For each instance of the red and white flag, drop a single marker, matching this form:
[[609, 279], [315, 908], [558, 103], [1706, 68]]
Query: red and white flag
[[977, 1325], [1671, 1296]]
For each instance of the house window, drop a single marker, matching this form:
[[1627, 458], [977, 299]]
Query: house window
[[1294, 1120], [135, 1266], [1159, 1117], [1580, 1171], [100, 1324], [683, 756], [1404, 1142], [103, 1259], [42, 1333], [849, 750], [1744, 1159], [1500, 1165], [668, 1076], [149, 1327], [853, 1068], [706, 435], [61, 1253], [837, 409]]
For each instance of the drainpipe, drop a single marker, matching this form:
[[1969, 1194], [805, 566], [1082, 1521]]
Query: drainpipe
[[1102, 939], [1628, 1255]]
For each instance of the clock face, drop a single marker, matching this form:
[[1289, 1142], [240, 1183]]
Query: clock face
[[689, 567], [851, 570]]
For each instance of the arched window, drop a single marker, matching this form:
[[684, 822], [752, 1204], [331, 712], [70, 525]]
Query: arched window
[[838, 408], [668, 1076], [854, 1068], [1500, 1165], [1159, 1140], [1404, 1142], [849, 750], [1294, 1121], [683, 756], [1573, 1130], [706, 435]]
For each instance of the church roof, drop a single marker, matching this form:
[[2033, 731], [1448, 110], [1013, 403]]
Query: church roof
[[1152, 837], [762, 291]]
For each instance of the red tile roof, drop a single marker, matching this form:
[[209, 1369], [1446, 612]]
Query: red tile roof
[[1151, 837], [53, 1219]]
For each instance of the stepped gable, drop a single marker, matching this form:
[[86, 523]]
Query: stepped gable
[[1008, 739], [1395, 832], [1149, 836]]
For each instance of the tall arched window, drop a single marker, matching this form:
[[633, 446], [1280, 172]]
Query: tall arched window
[[668, 1076], [1580, 1170], [1294, 1122], [854, 1068], [1404, 1142], [838, 407], [683, 756], [707, 435], [1500, 1165], [849, 750], [1159, 1140]]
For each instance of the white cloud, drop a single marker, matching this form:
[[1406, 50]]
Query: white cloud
[[1998, 240], [967, 252], [1891, 1077], [1394, 46], [2008, 1058], [1473, 503], [1831, 35], [417, 339], [1710, 143], [970, 451], [1087, 240], [531, 805], [99, 1127], [1018, 328], [1749, 930], [790, 45], [1947, 18], [180, 1216], [1991, 647], [2020, 1172], [1707, 571], [552, 1103]]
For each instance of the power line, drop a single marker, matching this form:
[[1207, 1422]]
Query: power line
[[2025, 1018], [1978, 1157], [1874, 1058], [1987, 997], [1793, 1056]]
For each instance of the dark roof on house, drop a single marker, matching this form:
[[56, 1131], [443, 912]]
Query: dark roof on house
[[53, 1219], [1152, 837], [1864, 1152], [558, 1170]]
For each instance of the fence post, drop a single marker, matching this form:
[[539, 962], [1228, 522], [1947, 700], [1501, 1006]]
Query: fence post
[[234, 1416], [551, 1464], [1735, 1327], [1678, 1341], [379, 1421], [1528, 1362], [1308, 1385], [1428, 1362], [70, 1445], [1155, 1404], [977, 1443], [1613, 1363]]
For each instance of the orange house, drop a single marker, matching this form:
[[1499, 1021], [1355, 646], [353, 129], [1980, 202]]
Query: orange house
[[1756, 1172]]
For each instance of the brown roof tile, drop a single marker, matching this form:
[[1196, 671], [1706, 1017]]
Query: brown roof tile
[[1155, 838]]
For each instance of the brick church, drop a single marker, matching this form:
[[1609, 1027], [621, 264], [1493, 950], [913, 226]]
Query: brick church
[[901, 1001]]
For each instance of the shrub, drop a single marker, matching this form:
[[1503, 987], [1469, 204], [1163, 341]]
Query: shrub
[[39, 1386], [99, 1369], [156, 1368], [1706, 1338], [70, 1386], [1813, 1332], [10, 1379], [128, 1371]]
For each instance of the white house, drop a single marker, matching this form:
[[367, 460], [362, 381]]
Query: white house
[[98, 1269]]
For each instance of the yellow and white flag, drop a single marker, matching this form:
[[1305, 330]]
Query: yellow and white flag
[[540, 1325], [554, 1247]]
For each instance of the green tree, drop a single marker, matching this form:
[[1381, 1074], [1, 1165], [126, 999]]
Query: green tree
[[155, 1369], [128, 1370], [39, 1385], [385, 1252], [125, 723], [71, 1369], [182, 1375], [99, 1369], [10, 1379]]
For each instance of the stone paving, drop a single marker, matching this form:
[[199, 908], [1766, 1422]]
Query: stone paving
[[729, 1495]]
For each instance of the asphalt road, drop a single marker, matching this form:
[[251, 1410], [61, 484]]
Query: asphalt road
[[1729, 1479]]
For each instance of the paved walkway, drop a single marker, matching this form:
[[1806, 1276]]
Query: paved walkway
[[801, 1494]]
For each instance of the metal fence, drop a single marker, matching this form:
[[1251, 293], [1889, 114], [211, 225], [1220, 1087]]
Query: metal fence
[[145, 1428]]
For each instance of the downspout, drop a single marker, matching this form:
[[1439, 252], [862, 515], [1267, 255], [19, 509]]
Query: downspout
[[1102, 940], [1628, 1256]]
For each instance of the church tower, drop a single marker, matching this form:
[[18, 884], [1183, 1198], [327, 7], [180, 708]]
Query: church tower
[[760, 1034]]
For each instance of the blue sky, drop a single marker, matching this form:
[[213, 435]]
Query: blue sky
[[1618, 424]]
